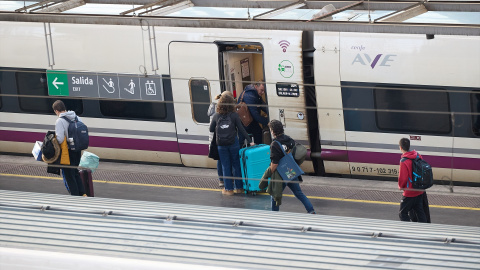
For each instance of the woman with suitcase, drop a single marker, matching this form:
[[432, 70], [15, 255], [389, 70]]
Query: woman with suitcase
[[226, 123]]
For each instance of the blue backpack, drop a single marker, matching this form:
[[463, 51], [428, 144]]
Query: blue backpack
[[78, 135]]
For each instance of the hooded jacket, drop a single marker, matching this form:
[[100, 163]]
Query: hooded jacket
[[251, 97], [61, 125], [406, 174]]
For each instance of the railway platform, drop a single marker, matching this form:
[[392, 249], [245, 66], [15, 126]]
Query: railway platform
[[175, 184]]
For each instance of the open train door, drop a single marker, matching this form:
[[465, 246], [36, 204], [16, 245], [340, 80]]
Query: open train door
[[194, 72]]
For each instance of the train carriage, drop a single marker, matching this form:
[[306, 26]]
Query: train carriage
[[347, 90]]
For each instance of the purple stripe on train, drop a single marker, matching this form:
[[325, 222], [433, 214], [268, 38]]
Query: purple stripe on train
[[394, 159], [107, 142]]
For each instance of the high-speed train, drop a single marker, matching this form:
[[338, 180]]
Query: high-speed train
[[143, 87]]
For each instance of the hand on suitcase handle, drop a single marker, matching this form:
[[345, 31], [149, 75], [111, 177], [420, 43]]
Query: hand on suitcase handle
[[252, 144]]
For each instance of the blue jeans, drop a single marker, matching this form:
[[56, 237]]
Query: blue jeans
[[219, 170], [230, 159], [297, 191]]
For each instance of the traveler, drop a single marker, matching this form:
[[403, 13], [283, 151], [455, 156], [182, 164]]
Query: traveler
[[411, 199], [276, 185], [71, 173], [225, 123], [252, 96], [211, 111]]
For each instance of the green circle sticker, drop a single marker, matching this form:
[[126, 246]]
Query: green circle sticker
[[286, 68]]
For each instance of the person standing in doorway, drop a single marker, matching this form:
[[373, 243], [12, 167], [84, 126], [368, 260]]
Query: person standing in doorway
[[411, 199], [72, 175], [252, 96]]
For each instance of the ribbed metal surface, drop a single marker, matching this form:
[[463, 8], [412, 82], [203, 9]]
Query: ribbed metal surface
[[229, 237]]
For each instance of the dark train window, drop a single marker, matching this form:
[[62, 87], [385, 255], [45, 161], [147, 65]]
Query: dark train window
[[475, 98], [134, 109], [200, 98], [412, 110], [34, 84]]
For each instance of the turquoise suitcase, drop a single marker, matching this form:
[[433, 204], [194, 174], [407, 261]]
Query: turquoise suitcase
[[253, 162]]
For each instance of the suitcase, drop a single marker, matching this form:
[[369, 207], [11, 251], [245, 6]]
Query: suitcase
[[86, 176], [253, 163]]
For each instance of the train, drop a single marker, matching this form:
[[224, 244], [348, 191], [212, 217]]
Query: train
[[143, 87]]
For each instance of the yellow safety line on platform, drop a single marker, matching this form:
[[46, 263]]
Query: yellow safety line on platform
[[264, 194]]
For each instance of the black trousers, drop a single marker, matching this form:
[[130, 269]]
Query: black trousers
[[412, 203], [254, 129], [72, 176]]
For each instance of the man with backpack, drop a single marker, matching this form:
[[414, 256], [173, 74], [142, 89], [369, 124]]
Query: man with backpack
[[412, 199], [66, 140]]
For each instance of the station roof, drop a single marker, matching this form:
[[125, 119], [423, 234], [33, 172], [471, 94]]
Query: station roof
[[224, 237], [281, 15]]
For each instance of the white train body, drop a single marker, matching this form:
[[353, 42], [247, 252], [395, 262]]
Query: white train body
[[351, 71]]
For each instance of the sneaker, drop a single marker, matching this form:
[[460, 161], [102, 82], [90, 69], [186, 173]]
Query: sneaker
[[227, 192], [239, 191], [312, 212], [84, 195], [220, 184]]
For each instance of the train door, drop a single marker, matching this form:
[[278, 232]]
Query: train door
[[194, 71]]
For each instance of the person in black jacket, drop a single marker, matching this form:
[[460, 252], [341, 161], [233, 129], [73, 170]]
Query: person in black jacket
[[276, 153], [225, 123], [252, 96]]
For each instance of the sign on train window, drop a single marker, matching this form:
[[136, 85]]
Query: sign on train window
[[287, 90], [475, 97], [412, 109], [200, 99], [33, 94]]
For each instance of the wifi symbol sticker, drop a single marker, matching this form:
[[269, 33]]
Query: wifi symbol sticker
[[284, 45]]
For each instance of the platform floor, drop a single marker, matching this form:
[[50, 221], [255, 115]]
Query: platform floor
[[330, 196]]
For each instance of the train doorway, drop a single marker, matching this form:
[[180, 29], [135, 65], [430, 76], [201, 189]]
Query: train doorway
[[199, 71], [242, 65]]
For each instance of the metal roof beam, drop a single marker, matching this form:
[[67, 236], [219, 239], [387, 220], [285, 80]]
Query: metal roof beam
[[40, 3], [61, 6], [281, 10], [337, 11], [171, 7], [405, 14]]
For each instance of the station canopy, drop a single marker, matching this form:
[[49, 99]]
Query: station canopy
[[465, 13]]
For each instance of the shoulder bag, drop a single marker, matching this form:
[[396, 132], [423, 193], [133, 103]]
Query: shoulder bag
[[243, 112], [287, 167]]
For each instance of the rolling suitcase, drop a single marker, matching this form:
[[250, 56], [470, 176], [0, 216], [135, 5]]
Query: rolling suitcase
[[86, 176], [253, 163]]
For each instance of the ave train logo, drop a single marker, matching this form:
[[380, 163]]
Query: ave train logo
[[365, 59]]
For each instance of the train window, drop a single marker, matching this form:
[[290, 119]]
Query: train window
[[475, 98], [412, 110], [134, 109], [200, 98], [34, 84]]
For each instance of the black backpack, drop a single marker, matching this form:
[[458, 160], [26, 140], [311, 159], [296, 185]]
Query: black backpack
[[225, 130], [77, 131], [422, 175], [48, 149]]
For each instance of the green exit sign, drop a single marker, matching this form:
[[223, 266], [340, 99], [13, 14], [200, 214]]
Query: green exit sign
[[57, 83]]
